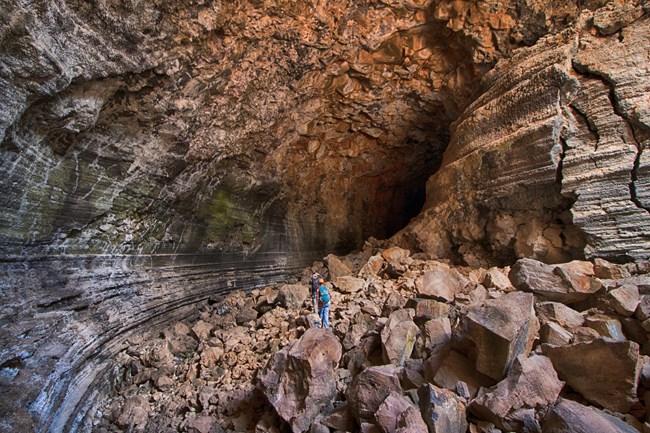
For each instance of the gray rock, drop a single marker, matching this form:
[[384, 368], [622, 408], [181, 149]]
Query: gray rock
[[370, 388]]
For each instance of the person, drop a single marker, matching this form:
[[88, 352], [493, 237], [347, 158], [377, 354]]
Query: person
[[314, 283], [325, 302]]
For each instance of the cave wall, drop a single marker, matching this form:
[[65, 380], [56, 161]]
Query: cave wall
[[550, 161], [156, 154]]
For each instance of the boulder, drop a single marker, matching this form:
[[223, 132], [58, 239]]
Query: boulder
[[373, 267], [398, 336], [299, 381], [426, 309], [606, 326], [552, 333], [336, 267], [370, 388], [455, 368], [497, 279], [566, 283], [643, 309], [397, 413], [568, 416], [558, 313], [532, 383], [339, 419], [441, 284], [134, 411], [501, 329], [396, 259], [349, 284], [202, 329], [201, 424], [441, 410], [604, 371], [624, 300], [292, 296], [393, 302], [245, 315], [437, 334]]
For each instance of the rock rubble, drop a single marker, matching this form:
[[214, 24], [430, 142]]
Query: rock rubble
[[485, 357]]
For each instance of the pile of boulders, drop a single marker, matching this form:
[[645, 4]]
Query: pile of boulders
[[416, 345]]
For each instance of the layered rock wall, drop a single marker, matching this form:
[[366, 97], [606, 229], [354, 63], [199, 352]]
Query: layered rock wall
[[549, 160]]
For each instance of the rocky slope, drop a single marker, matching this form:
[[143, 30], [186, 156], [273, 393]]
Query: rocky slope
[[415, 346], [157, 153]]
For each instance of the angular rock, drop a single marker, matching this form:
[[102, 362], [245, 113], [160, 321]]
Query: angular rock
[[606, 326], [455, 368], [370, 388], [373, 267], [395, 258], [604, 371], [552, 333], [246, 314], [201, 424], [441, 410], [340, 419], [501, 329], [608, 270], [558, 313], [202, 330], [497, 279], [437, 334], [299, 381], [565, 283], [398, 336], [426, 309], [624, 300], [292, 296], [395, 301], [134, 411], [349, 284], [397, 413], [532, 383], [568, 416], [336, 267], [643, 309], [441, 284]]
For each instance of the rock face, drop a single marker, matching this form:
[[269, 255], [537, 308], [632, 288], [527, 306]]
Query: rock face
[[155, 155], [566, 174], [299, 381]]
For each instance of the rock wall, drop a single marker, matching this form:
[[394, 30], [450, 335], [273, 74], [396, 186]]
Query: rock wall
[[157, 153], [549, 160]]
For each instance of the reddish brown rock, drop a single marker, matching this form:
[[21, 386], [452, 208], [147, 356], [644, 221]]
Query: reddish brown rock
[[571, 417], [370, 388], [349, 284], [565, 283], [426, 309], [604, 371], [299, 381], [558, 313], [532, 383], [441, 410], [397, 413], [455, 368], [398, 336], [501, 330], [552, 333], [336, 267], [441, 284], [134, 411], [606, 326], [624, 300]]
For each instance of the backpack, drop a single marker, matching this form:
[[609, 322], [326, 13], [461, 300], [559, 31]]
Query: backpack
[[324, 294]]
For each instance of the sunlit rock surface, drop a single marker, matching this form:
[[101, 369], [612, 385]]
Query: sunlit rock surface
[[158, 153]]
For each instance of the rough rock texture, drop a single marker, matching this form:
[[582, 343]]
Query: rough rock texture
[[299, 381], [155, 154], [548, 161]]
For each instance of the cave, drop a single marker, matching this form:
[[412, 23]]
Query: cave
[[158, 156]]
